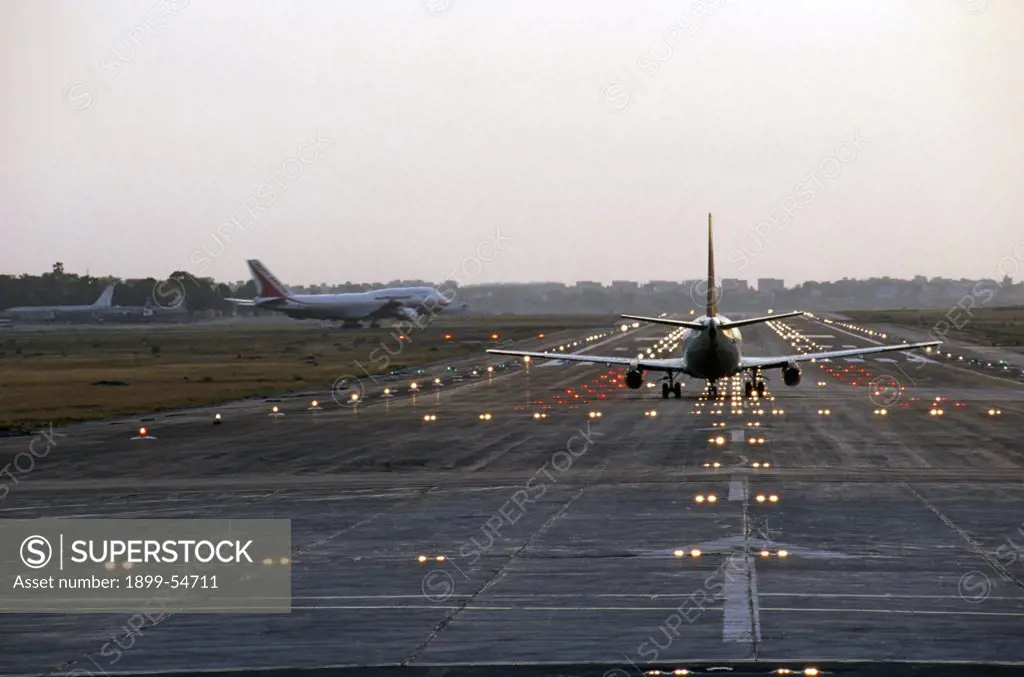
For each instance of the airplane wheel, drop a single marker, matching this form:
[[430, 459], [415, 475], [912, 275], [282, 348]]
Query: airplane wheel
[[677, 389], [664, 391], [748, 389], [760, 389]]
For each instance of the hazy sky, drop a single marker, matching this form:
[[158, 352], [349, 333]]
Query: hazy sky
[[593, 137]]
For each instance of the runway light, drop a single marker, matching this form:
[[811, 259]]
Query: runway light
[[811, 672], [485, 417], [429, 417], [719, 440], [414, 386], [699, 498], [216, 419], [764, 553], [526, 358], [695, 552], [490, 370], [783, 553], [773, 498], [678, 553], [421, 559], [760, 498], [439, 558], [995, 412], [712, 498]]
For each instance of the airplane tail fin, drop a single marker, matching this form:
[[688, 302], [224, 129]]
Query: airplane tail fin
[[712, 308], [105, 298], [267, 286]]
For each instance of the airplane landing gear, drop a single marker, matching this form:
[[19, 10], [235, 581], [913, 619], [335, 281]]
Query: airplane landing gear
[[754, 383], [669, 385], [712, 390]]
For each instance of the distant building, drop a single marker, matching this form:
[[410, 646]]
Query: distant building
[[770, 284]]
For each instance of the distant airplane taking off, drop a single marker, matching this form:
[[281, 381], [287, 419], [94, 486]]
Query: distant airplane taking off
[[57, 312], [404, 303], [711, 349]]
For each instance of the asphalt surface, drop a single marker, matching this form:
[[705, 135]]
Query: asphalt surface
[[560, 534]]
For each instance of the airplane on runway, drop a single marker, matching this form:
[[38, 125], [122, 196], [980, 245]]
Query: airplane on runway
[[403, 303], [711, 349], [101, 305]]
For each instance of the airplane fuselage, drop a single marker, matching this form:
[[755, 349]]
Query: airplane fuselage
[[711, 353], [378, 304]]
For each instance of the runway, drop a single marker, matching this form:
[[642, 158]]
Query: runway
[[572, 537]]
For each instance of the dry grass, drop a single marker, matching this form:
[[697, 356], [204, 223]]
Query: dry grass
[[72, 374], [988, 326]]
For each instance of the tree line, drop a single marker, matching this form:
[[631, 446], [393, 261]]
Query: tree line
[[58, 287]]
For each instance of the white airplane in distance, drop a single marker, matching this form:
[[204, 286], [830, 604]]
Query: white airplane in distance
[[53, 312], [711, 350], [403, 303]]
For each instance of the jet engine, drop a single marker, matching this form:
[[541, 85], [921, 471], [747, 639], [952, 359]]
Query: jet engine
[[408, 313], [634, 379], [791, 375]]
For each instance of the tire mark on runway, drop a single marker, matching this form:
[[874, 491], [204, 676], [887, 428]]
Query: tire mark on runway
[[976, 547], [149, 624], [500, 573], [494, 456]]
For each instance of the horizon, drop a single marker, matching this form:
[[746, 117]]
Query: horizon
[[590, 145]]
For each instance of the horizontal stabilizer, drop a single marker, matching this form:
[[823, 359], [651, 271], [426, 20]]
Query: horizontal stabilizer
[[758, 320], [663, 320]]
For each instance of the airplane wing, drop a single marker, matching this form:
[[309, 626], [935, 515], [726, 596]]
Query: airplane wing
[[241, 302], [782, 360], [650, 365], [662, 320]]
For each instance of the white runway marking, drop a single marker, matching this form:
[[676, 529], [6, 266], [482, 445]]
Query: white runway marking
[[741, 621], [738, 489]]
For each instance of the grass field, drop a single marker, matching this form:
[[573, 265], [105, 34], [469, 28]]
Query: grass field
[[67, 374], [987, 326]]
